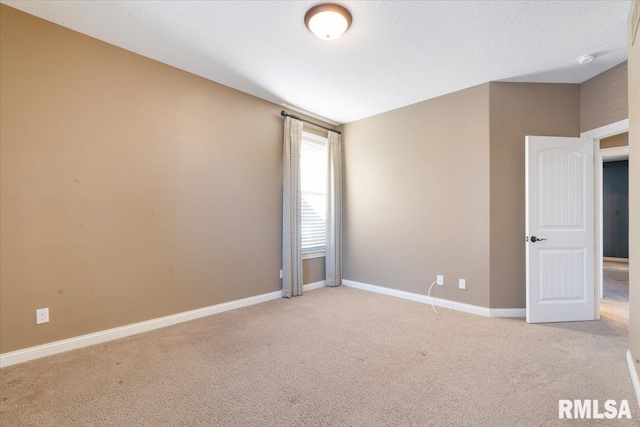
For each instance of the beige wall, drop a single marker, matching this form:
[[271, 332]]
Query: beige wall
[[130, 190], [518, 110], [603, 99], [417, 197], [620, 140], [634, 192], [419, 201], [313, 270]]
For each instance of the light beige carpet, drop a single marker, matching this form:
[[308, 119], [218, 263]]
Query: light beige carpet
[[332, 357]]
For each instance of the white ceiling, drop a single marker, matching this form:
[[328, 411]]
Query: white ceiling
[[395, 54]]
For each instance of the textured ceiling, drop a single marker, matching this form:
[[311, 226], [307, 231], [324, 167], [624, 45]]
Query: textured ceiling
[[395, 54]]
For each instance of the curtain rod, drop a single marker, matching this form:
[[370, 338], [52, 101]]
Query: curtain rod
[[285, 114]]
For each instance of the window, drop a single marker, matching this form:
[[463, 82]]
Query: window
[[313, 183]]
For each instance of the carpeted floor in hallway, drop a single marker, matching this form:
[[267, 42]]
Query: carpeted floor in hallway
[[614, 307], [332, 357]]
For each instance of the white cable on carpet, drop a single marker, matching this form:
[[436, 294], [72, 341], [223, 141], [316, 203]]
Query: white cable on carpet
[[429, 295]]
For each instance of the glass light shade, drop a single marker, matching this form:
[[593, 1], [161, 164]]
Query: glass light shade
[[328, 21]]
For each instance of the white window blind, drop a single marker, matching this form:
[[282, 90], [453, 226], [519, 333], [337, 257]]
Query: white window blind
[[313, 183]]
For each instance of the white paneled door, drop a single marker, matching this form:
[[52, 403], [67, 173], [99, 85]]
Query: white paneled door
[[559, 229]]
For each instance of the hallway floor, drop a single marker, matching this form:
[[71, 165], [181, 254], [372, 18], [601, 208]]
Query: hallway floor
[[615, 304]]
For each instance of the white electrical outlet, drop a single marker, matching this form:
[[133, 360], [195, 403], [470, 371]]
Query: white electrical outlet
[[440, 280], [462, 284], [42, 315], [281, 274]]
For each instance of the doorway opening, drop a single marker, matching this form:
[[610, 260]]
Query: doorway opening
[[612, 222], [614, 304]]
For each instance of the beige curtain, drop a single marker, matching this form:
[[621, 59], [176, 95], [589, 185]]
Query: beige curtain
[[334, 211], [291, 211]]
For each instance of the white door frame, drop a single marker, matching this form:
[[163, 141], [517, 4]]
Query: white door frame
[[597, 134]]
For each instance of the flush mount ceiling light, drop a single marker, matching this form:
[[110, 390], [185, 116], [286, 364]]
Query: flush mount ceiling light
[[328, 21], [585, 59]]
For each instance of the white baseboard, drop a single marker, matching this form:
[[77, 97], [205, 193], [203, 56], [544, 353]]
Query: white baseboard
[[312, 286], [507, 312], [36, 352], [453, 305], [31, 353], [635, 379]]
